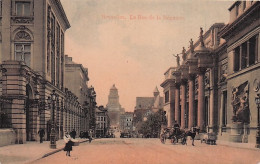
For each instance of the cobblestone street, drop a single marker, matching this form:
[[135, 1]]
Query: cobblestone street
[[151, 151]]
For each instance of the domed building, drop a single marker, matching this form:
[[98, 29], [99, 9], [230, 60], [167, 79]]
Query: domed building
[[114, 107]]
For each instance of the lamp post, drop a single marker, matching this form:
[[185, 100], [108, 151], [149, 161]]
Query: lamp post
[[52, 100], [257, 101]]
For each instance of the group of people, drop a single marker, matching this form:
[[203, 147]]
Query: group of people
[[68, 138]]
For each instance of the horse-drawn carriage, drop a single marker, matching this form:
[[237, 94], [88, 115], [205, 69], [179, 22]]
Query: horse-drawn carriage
[[175, 134]]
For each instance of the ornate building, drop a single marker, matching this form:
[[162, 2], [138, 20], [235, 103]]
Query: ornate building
[[114, 108], [215, 85], [32, 70]]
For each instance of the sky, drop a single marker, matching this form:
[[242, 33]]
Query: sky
[[130, 43]]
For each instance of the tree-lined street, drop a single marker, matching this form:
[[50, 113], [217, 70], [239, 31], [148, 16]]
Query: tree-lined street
[[147, 151]]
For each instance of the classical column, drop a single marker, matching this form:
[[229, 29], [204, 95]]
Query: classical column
[[212, 120], [257, 48], [183, 104], [177, 104], [191, 101], [201, 100]]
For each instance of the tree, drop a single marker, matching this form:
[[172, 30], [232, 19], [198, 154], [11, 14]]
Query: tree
[[151, 127]]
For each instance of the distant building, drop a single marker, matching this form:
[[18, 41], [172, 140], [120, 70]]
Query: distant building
[[126, 122], [76, 80], [102, 121], [114, 108], [145, 106]]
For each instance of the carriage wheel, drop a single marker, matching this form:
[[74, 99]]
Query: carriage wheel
[[183, 141], [173, 140]]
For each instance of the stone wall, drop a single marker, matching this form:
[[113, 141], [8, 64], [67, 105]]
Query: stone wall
[[7, 137]]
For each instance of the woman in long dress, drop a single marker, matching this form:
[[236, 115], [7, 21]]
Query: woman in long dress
[[68, 144]]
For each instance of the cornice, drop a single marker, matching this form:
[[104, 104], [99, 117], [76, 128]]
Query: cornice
[[227, 31]]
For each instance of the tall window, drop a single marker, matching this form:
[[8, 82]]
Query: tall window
[[224, 109], [23, 52], [237, 59], [244, 56], [166, 96], [252, 50], [22, 8]]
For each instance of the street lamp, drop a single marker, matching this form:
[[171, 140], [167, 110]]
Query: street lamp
[[52, 100], [257, 101]]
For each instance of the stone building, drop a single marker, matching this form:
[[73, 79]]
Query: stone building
[[32, 64], [215, 85], [126, 122], [76, 80], [114, 108], [102, 121]]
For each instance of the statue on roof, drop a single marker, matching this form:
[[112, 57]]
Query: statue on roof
[[191, 46], [177, 59], [201, 37], [184, 55]]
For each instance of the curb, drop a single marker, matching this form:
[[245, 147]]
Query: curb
[[58, 150]]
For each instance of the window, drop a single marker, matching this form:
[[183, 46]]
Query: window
[[244, 5], [237, 8], [22, 8], [224, 109], [253, 50], [244, 56], [23, 53], [237, 59], [166, 96]]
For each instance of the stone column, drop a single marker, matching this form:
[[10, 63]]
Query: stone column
[[211, 101], [201, 100], [177, 105], [183, 104], [191, 101]]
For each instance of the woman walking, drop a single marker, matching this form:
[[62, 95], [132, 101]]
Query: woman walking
[[68, 145]]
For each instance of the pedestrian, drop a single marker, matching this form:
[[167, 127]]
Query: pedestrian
[[90, 136], [41, 133], [68, 144]]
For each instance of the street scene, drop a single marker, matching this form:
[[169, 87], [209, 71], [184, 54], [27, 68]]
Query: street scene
[[131, 81], [146, 151]]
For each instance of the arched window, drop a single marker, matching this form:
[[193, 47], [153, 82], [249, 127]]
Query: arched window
[[22, 47]]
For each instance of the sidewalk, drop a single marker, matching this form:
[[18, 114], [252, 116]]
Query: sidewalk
[[31, 151], [238, 145]]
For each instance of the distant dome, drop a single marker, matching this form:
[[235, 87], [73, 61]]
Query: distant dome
[[113, 87]]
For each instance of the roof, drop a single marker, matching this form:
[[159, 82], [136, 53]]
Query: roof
[[156, 90], [144, 102]]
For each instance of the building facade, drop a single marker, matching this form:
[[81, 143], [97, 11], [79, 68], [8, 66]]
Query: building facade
[[126, 122], [76, 80], [102, 122], [32, 64], [215, 85]]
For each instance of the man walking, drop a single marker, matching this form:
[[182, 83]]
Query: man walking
[[41, 133]]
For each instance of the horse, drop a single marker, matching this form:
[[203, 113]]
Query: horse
[[192, 133]]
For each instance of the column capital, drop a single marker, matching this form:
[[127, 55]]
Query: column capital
[[183, 81], [202, 70], [191, 76]]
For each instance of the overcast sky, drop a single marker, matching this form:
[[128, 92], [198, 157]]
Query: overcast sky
[[130, 43]]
